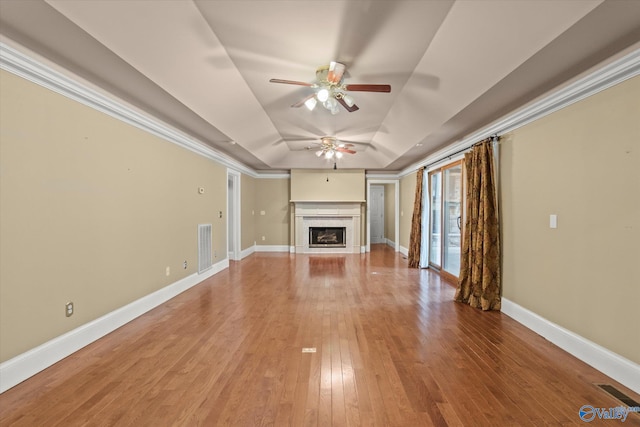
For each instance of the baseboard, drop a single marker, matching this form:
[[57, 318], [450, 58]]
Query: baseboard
[[25, 365], [404, 251], [609, 363], [390, 243], [272, 248], [292, 249], [246, 252]]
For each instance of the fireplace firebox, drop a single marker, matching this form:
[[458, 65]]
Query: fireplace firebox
[[323, 237]]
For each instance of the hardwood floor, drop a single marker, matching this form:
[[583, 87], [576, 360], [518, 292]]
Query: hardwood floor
[[392, 349]]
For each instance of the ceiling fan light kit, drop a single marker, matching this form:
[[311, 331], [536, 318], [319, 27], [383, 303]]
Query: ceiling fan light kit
[[331, 91]]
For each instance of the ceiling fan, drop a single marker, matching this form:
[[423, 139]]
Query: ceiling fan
[[331, 91], [331, 148]]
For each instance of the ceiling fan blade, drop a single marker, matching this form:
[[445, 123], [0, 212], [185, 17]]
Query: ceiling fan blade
[[336, 70], [345, 150], [290, 82], [351, 109], [302, 101], [368, 88]]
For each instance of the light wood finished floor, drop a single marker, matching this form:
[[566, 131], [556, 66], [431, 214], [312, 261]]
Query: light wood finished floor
[[393, 349]]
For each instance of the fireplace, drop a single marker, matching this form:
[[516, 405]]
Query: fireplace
[[323, 237], [327, 216]]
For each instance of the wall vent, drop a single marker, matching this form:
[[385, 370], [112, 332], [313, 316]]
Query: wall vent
[[205, 260]]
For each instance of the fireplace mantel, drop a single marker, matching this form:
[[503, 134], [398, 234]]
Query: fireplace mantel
[[327, 214]]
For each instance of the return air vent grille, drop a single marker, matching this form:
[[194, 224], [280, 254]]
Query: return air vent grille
[[619, 395], [205, 260]]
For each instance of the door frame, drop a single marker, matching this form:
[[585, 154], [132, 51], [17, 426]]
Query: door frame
[[233, 215], [396, 183]]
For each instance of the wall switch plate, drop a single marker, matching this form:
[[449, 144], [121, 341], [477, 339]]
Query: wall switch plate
[[553, 221]]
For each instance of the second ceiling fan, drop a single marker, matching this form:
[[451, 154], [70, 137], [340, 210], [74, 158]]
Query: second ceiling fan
[[331, 91]]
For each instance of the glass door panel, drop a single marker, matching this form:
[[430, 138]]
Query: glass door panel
[[435, 254], [452, 212]]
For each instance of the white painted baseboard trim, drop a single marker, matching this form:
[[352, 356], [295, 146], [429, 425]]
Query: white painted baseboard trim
[[404, 251], [272, 248], [609, 363], [246, 252], [390, 243], [25, 365], [292, 249]]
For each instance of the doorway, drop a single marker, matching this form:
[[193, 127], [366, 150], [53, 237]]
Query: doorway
[[377, 214], [391, 191]]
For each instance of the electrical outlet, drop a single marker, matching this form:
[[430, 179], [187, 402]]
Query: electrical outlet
[[215, 254], [185, 265], [263, 238], [68, 309], [167, 271]]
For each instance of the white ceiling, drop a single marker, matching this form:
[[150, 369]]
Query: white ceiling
[[204, 66]]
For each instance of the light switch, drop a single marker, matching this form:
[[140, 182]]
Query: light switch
[[553, 221], [262, 212]]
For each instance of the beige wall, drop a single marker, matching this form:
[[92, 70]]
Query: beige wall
[[390, 212], [247, 211], [272, 198], [581, 163], [407, 195], [327, 185], [92, 210]]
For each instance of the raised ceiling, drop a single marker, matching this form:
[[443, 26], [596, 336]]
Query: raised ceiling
[[204, 66]]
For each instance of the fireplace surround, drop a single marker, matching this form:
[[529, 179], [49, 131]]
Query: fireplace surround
[[329, 216]]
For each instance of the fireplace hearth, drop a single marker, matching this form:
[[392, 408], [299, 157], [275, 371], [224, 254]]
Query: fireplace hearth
[[327, 237]]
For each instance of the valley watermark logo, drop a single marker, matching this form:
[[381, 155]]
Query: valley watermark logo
[[589, 413]]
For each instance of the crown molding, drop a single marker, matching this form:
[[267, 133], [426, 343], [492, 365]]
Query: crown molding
[[23, 65], [605, 77]]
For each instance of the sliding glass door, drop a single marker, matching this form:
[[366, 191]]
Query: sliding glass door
[[435, 254], [445, 226], [452, 207]]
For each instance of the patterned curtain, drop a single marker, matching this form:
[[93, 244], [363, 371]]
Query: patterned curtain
[[479, 282], [416, 224]]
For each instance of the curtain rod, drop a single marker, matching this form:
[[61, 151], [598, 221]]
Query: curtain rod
[[494, 138]]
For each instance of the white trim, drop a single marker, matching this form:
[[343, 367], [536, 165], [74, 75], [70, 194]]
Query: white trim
[[609, 75], [292, 249], [246, 252], [382, 176], [236, 232], [404, 251], [272, 248], [391, 243], [363, 249], [609, 363], [29, 363]]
